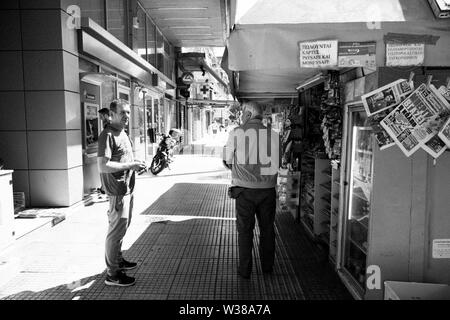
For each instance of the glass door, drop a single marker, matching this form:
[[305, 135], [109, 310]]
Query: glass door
[[358, 189]]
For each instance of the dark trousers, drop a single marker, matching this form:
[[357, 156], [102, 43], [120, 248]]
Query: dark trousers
[[262, 203]]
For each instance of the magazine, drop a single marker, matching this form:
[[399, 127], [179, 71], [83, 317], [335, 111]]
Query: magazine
[[382, 137], [410, 123], [387, 96], [444, 133], [445, 92], [435, 146]]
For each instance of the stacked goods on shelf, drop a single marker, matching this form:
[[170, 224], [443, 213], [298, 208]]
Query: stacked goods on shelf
[[322, 200], [288, 191], [331, 113], [307, 193], [334, 221]]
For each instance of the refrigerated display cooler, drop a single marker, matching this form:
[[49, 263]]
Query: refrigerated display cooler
[[355, 215], [393, 213]]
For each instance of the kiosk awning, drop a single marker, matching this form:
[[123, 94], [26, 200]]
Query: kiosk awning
[[265, 52]]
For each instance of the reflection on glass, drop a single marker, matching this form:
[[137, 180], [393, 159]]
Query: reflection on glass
[[91, 127], [94, 9], [108, 93], [139, 43], [116, 16], [359, 198], [151, 42], [159, 51]]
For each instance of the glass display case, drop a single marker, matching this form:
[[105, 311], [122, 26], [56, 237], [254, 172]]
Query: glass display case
[[358, 178]]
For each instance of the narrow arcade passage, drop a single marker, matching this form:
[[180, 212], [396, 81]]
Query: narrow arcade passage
[[185, 243]]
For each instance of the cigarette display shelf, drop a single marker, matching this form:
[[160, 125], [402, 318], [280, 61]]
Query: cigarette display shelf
[[317, 188], [335, 199]]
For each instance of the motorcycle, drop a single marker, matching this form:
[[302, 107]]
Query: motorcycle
[[164, 153]]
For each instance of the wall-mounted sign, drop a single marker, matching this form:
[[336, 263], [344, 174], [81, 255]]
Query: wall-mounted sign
[[89, 96], [405, 54], [357, 54], [187, 78], [441, 248], [318, 54]]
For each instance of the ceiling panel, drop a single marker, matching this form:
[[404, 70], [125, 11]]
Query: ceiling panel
[[189, 23]]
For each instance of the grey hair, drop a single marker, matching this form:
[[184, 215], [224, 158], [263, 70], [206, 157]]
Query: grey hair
[[254, 108], [117, 102]]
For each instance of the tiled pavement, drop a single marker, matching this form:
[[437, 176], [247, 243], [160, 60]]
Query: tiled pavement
[[186, 245]]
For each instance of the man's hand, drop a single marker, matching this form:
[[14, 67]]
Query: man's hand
[[138, 165]]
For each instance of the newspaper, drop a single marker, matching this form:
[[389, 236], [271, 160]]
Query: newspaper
[[382, 137], [409, 124], [445, 92], [444, 133], [435, 146], [387, 96]]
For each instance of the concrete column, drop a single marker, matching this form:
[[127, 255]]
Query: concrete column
[[40, 126]]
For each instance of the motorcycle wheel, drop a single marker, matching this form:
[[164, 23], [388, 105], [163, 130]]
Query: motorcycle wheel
[[158, 164]]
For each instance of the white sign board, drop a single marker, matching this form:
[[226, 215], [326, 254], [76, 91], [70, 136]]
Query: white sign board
[[441, 248], [405, 54], [318, 54]]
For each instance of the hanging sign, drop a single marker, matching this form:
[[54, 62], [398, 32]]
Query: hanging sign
[[405, 54], [318, 54], [357, 54], [187, 78]]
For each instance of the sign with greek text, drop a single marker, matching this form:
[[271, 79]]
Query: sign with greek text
[[318, 54], [441, 248], [405, 54]]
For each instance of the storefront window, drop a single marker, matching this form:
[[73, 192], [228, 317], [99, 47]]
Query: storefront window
[[173, 115], [86, 66], [151, 43], [108, 90], [116, 18], [94, 9], [162, 115], [159, 51], [139, 39]]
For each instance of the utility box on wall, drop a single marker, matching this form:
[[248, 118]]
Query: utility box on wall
[[6, 208]]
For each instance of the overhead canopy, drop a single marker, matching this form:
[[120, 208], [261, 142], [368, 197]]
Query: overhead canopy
[[264, 46]]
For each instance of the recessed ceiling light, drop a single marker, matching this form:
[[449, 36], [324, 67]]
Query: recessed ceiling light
[[178, 8], [188, 40], [199, 18], [188, 27], [193, 34]]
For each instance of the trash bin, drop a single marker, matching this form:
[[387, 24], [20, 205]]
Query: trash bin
[[397, 290], [6, 208]]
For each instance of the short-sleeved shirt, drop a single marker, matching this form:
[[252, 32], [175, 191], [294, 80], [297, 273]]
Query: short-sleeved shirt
[[115, 145], [244, 173]]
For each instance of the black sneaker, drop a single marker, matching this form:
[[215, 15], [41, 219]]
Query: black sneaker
[[120, 280], [127, 265]]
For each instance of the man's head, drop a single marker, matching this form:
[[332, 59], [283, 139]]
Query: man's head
[[104, 114], [120, 113], [251, 110]]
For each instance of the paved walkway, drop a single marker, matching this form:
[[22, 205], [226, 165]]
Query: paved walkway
[[183, 236]]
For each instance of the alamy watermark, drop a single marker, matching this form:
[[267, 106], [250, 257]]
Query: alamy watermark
[[74, 21], [253, 147]]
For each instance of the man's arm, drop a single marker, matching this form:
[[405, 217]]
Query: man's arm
[[228, 151], [105, 165]]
